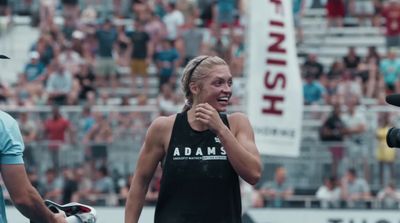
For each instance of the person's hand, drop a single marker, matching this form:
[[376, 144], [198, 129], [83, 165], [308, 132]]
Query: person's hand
[[60, 218], [207, 115]]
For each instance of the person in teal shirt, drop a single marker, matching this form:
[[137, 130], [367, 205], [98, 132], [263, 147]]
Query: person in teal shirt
[[24, 196], [390, 69]]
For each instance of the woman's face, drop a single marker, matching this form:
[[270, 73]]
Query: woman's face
[[215, 89]]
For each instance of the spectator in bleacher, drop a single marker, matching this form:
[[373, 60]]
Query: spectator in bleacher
[[332, 131], [103, 187], [89, 47], [167, 100], [331, 89], [122, 53], [372, 86], [55, 130], [329, 193], [105, 67], [34, 73], [390, 69], [386, 156], [86, 121], [46, 48], [86, 79], [68, 28], [156, 30], [77, 41], [34, 68], [391, 15], [188, 8], [336, 70], [140, 10], [120, 9], [192, 38], [218, 43], [355, 190], [84, 185], [70, 59], [141, 54], [158, 8], [207, 14], [70, 185], [123, 131], [47, 10], [277, 191], [366, 70], [52, 186], [313, 66], [313, 91], [98, 139], [104, 98], [59, 85], [388, 196], [237, 53], [373, 54], [29, 132], [173, 21], [356, 128], [349, 85], [377, 15], [70, 10], [19, 94], [225, 13], [335, 12], [351, 59], [167, 62]]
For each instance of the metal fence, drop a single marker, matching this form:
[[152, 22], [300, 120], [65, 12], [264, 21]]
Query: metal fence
[[304, 172]]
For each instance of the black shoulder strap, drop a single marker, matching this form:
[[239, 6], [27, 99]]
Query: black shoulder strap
[[224, 118]]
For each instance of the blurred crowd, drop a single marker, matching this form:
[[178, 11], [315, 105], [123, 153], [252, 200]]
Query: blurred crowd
[[352, 85], [350, 191], [90, 51]]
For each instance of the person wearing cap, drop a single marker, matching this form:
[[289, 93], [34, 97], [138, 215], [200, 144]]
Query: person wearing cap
[[34, 68], [12, 169]]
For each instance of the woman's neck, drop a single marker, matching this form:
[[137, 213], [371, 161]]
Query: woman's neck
[[195, 124]]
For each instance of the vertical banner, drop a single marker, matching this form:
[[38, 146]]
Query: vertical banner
[[274, 87]]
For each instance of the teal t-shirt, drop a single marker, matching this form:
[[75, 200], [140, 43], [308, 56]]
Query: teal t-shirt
[[390, 70], [11, 149]]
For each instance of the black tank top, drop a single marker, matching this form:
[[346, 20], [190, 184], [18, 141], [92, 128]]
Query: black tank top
[[198, 184]]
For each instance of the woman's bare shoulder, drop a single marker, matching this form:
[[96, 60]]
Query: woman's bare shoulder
[[163, 122]]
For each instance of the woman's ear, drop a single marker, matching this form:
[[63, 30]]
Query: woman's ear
[[194, 88]]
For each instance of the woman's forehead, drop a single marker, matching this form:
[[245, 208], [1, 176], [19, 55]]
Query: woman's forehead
[[220, 71]]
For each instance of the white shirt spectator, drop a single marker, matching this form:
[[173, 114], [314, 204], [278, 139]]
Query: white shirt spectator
[[71, 60], [327, 196], [356, 119], [173, 21], [59, 82]]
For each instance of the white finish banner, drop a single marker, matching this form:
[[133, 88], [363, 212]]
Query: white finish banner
[[274, 87]]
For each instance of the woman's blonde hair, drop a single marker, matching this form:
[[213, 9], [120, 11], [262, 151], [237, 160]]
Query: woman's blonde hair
[[195, 70]]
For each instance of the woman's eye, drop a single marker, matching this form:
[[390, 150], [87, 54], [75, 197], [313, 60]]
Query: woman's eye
[[218, 83]]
